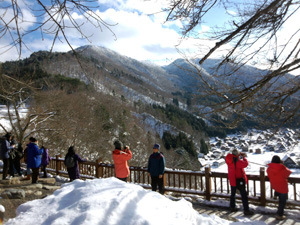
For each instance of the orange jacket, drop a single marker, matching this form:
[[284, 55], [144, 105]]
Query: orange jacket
[[236, 170], [278, 175], [120, 159]]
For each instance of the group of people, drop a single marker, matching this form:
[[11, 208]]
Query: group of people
[[35, 158], [156, 165], [236, 161], [278, 175]]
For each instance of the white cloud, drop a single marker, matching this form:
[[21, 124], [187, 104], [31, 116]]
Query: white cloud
[[25, 19], [231, 12], [138, 34]]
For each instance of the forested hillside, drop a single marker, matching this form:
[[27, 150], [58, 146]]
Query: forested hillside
[[95, 96]]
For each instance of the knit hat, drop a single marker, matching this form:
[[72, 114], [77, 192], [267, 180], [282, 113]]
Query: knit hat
[[156, 146], [235, 152], [118, 144]]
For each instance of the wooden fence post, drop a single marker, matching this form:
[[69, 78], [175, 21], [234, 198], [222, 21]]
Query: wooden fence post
[[58, 164], [262, 178], [165, 179], [207, 183], [99, 169]]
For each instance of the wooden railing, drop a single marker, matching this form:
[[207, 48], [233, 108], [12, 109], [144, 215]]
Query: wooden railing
[[210, 185]]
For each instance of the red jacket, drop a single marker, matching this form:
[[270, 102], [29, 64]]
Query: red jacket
[[278, 175], [236, 170], [120, 159]]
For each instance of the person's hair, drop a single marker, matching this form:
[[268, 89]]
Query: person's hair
[[31, 139], [7, 136], [71, 150], [276, 159]]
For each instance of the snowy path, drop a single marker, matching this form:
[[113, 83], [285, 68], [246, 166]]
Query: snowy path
[[261, 216]]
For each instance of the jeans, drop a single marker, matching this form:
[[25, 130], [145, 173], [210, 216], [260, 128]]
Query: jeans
[[28, 171], [156, 181], [243, 195], [282, 202]]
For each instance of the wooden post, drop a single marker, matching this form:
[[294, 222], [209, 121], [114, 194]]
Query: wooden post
[[165, 182], [207, 183], [262, 178], [57, 164], [99, 169]]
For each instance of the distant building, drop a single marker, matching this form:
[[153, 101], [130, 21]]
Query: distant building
[[259, 151], [218, 163], [290, 162]]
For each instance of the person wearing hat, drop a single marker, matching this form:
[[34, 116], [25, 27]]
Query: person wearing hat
[[121, 157], [156, 169], [278, 175], [238, 179]]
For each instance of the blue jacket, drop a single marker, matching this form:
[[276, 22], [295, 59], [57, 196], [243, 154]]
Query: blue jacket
[[5, 149], [156, 164], [34, 155]]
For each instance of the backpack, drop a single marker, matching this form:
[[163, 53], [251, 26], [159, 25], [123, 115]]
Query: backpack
[[70, 162]]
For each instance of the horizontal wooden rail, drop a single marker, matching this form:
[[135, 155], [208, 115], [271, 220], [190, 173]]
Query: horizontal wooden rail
[[204, 183]]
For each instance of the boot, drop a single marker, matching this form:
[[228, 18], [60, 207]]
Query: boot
[[28, 177]]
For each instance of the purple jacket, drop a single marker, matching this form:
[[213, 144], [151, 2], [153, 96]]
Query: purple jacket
[[74, 172], [45, 157]]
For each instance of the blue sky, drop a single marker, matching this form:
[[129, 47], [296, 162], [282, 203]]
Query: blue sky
[[140, 31]]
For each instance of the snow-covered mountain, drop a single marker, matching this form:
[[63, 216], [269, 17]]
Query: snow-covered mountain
[[185, 74]]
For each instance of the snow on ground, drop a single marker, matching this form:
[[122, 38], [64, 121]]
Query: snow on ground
[[4, 121], [111, 201]]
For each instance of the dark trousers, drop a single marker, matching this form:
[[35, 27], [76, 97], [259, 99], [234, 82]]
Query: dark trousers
[[17, 166], [44, 170], [11, 169], [243, 195], [123, 179], [5, 167], [35, 174], [282, 202], [156, 181]]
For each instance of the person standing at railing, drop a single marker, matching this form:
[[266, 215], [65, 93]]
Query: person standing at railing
[[278, 175], [121, 158], [156, 169], [71, 162], [238, 179], [45, 161]]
